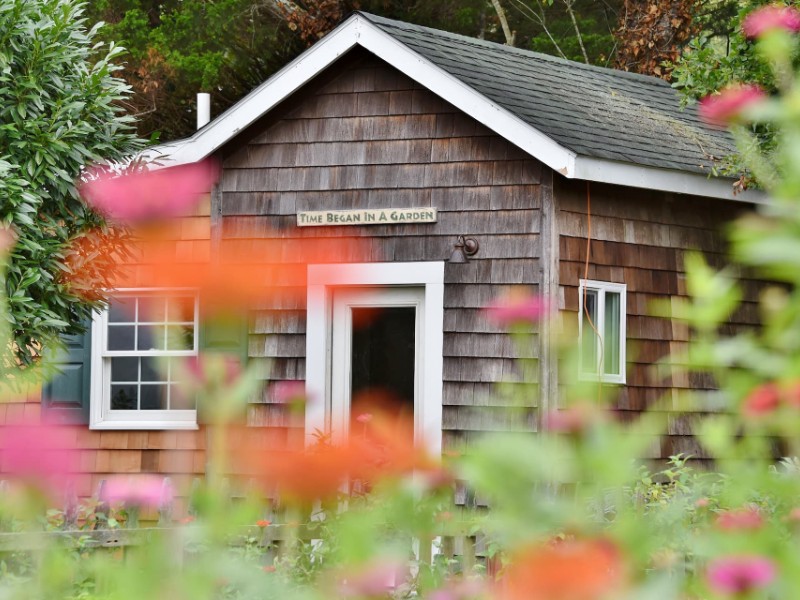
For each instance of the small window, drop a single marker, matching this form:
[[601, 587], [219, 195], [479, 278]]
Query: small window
[[602, 331], [137, 349]]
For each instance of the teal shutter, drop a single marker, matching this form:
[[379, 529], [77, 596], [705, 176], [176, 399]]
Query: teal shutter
[[66, 397]]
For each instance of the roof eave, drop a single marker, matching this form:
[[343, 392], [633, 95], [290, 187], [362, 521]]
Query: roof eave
[[358, 30], [664, 180]]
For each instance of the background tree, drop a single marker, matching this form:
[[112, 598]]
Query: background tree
[[59, 111]]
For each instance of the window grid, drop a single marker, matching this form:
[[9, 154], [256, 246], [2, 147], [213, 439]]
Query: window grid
[[599, 363], [169, 313]]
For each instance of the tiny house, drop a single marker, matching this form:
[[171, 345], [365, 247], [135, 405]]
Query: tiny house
[[455, 169]]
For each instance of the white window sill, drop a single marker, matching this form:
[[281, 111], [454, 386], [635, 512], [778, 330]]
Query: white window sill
[[145, 425]]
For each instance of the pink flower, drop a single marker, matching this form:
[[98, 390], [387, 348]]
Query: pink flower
[[733, 575], [763, 400], [148, 195], [40, 455], [729, 104], [517, 308], [145, 490], [771, 18], [742, 519], [213, 369], [289, 392], [364, 418], [573, 420], [374, 579]]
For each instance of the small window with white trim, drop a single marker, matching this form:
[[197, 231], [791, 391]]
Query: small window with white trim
[[138, 344], [602, 330]]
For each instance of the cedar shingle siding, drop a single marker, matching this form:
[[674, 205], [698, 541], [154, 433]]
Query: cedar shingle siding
[[372, 138]]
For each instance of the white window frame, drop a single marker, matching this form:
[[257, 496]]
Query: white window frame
[[597, 372], [323, 281], [100, 414]]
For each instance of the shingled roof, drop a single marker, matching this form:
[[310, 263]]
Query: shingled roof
[[584, 122], [597, 112]]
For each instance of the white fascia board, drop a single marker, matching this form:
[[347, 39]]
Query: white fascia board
[[652, 178], [265, 97], [462, 96]]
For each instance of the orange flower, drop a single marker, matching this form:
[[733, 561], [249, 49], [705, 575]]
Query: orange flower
[[263, 523], [386, 451], [570, 570]]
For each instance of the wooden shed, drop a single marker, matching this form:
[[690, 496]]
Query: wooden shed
[[396, 140]]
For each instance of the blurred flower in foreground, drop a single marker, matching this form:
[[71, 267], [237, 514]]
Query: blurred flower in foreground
[[771, 18], [574, 420], [148, 195], [386, 451], [739, 575], [517, 307], [569, 570], [763, 400], [459, 589], [39, 455], [740, 519], [145, 491], [212, 370], [374, 579], [729, 104]]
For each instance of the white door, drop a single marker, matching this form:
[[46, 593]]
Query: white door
[[376, 355]]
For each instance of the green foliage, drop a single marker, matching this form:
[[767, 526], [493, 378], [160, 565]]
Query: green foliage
[[59, 112]]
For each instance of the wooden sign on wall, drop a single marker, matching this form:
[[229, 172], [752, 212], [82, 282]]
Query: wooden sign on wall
[[379, 216]]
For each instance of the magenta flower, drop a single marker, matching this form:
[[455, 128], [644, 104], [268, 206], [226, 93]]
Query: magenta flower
[[374, 580], [289, 392], [729, 104], [771, 18], [39, 455], [734, 575], [145, 490], [148, 195], [517, 308]]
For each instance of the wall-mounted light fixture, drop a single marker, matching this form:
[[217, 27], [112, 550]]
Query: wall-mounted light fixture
[[463, 249]]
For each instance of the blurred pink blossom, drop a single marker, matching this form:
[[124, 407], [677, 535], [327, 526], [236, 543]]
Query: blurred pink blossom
[[148, 195], [740, 519], [728, 105], [735, 575], [771, 18], [289, 392], [145, 490], [364, 418], [40, 455], [374, 580], [213, 369], [517, 308], [573, 420]]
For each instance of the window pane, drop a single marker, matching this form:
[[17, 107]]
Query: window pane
[[120, 337], [589, 344], [122, 310], [180, 337], [179, 399], [152, 309], [125, 369], [150, 338], [152, 370], [153, 397], [180, 310], [612, 334], [123, 397]]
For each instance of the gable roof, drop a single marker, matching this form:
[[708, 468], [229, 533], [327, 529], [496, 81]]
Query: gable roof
[[584, 122]]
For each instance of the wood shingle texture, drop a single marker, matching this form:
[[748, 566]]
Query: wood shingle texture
[[370, 137]]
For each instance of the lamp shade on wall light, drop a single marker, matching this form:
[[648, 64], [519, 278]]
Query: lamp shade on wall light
[[463, 249]]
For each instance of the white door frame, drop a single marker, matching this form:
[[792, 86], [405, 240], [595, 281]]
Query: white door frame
[[322, 281]]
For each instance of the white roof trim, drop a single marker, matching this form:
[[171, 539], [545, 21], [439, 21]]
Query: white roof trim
[[358, 30], [653, 178]]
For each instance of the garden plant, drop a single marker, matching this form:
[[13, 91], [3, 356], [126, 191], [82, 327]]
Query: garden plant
[[568, 513]]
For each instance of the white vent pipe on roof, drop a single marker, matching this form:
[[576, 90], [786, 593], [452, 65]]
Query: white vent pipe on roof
[[203, 109]]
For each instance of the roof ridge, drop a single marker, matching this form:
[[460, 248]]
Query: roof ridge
[[378, 20]]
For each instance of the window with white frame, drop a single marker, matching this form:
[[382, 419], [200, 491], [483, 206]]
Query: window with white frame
[[602, 330], [138, 344]]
